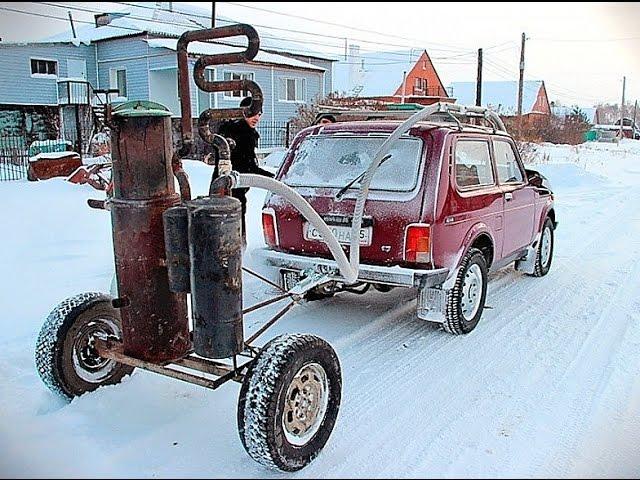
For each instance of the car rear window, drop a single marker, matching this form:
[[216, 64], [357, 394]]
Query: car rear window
[[333, 161]]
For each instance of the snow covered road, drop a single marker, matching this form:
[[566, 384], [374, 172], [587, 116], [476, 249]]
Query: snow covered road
[[547, 385]]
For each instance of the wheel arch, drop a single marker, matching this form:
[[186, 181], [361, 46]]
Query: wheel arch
[[479, 236]]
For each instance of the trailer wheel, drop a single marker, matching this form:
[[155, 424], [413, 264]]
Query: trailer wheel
[[289, 401], [65, 357], [465, 301]]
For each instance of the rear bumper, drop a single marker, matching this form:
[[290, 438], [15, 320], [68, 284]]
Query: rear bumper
[[395, 276]]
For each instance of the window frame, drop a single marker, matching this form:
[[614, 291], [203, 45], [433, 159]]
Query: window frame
[[417, 180], [494, 173], [514, 150], [209, 77], [126, 81], [228, 94], [302, 80], [44, 75]]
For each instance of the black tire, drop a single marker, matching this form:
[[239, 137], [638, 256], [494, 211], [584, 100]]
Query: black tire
[[65, 359], [263, 409], [458, 318], [543, 260]]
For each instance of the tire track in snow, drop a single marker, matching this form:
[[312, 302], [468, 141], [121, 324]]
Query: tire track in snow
[[559, 293]]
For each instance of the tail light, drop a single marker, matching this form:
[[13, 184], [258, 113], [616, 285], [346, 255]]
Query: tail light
[[417, 243], [269, 227]]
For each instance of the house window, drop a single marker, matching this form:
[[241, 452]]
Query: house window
[[292, 89], [44, 67], [420, 87], [206, 100], [228, 76], [118, 80]]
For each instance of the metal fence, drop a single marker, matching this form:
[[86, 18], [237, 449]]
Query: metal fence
[[14, 157], [276, 134]]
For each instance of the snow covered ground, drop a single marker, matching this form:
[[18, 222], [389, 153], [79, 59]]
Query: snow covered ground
[[547, 385]]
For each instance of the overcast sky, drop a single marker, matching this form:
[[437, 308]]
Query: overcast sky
[[581, 50]]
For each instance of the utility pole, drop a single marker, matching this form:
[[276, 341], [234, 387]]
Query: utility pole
[[213, 14], [404, 85], [624, 83], [635, 109], [521, 81], [479, 82]]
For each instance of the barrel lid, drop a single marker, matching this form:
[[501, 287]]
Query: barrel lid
[[141, 108]]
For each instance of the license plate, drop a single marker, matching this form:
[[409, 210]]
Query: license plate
[[342, 234]]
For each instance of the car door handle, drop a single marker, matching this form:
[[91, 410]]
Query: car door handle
[[508, 196]]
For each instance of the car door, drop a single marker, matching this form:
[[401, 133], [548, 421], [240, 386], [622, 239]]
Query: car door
[[518, 197], [473, 201]]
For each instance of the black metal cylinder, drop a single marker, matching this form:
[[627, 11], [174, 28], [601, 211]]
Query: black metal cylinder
[[176, 240], [215, 250]]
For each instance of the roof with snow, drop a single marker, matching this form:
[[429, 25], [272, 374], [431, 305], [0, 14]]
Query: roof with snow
[[563, 111], [501, 97], [373, 74], [136, 19], [204, 48]]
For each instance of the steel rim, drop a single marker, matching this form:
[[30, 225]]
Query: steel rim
[[305, 404], [545, 247], [88, 365], [471, 292]]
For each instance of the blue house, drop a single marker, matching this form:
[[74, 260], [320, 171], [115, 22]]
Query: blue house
[[133, 53]]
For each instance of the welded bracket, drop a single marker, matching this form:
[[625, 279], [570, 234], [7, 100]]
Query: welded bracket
[[311, 280]]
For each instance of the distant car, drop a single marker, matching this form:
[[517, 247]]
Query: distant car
[[450, 203], [630, 128]]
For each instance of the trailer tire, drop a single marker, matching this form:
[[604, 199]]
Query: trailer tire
[[465, 301], [65, 358], [289, 401]]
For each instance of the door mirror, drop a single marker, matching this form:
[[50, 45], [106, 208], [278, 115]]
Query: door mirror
[[535, 179]]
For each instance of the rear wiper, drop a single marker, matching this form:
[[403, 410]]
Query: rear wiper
[[358, 178]]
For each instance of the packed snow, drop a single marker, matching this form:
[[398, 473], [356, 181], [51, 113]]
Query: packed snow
[[547, 385]]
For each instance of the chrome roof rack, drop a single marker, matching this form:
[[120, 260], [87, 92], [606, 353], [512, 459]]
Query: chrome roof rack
[[440, 112]]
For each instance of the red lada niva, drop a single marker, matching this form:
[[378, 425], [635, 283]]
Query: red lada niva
[[449, 203]]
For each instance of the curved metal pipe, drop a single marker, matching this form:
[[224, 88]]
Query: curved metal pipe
[[181, 176], [252, 180], [183, 68]]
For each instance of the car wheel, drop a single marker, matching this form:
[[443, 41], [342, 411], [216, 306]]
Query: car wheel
[[289, 401], [544, 252], [65, 355], [465, 301]]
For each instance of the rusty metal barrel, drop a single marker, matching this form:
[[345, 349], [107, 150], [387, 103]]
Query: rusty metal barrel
[[155, 324], [215, 250]]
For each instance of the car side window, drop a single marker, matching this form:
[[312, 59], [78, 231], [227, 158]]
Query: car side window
[[506, 163], [473, 164]]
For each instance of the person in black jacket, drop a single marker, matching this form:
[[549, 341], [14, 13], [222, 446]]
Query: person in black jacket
[[243, 156]]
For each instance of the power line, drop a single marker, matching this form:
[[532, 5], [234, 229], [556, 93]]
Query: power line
[[337, 47], [451, 49], [589, 40], [364, 30], [44, 15]]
